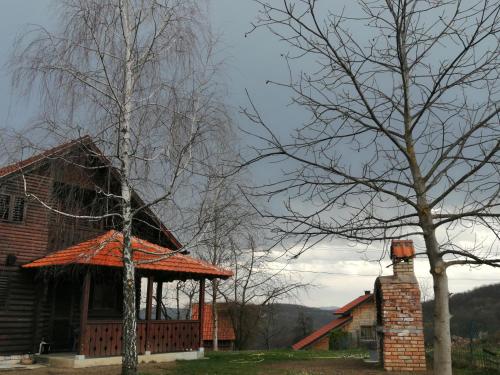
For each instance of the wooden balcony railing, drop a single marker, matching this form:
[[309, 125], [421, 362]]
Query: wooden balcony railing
[[104, 338]]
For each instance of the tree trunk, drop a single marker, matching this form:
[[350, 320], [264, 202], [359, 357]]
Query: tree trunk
[[129, 362], [441, 317], [129, 345], [215, 318], [178, 300], [442, 337]]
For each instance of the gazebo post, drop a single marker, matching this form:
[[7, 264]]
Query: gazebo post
[[159, 291], [149, 304], [84, 313], [137, 295], [201, 309]]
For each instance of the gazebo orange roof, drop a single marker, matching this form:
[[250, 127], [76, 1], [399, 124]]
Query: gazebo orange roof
[[106, 250]]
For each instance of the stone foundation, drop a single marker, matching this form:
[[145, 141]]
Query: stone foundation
[[62, 360]]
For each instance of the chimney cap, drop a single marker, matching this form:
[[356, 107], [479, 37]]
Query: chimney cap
[[402, 249]]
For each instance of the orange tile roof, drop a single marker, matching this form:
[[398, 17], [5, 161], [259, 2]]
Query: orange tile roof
[[106, 250], [337, 323], [53, 152], [354, 303], [402, 249], [225, 330]]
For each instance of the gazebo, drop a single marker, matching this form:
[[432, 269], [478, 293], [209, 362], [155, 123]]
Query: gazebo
[[91, 271]]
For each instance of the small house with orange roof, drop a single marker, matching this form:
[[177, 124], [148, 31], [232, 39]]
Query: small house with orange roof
[[225, 329], [61, 274], [355, 323]]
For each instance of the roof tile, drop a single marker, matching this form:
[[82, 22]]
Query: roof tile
[[320, 332], [402, 249], [354, 303], [106, 250], [225, 329]]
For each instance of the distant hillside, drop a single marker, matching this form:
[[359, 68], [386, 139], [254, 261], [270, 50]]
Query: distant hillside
[[284, 324], [281, 326], [473, 312], [329, 308]]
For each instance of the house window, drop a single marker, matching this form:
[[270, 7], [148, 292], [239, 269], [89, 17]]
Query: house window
[[18, 209], [367, 333], [4, 206], [12, 208]]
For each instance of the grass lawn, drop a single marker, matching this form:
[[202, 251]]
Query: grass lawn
[[275, 362], [287, 362]]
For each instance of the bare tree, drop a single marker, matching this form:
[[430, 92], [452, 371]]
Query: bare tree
[[270, 327], [254, 286], [226, 215], [403, 137], [137, 75]]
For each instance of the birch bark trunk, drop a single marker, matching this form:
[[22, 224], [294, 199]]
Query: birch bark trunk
[[130, 360], [215, 318]]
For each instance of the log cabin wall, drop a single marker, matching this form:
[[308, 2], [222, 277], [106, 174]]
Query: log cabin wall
[[21, 242], [73, 191], [27, 303], [26, 298]]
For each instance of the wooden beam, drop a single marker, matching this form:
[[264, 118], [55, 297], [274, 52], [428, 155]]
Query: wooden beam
[[84, 312], [40, 293], [149, 304], [149, 298], [137, 295], [159, 292], [201, 309]]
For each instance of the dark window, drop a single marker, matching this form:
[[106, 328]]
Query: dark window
[[12, 208], [367, 333], [105, 297], [4, 206], [18, 209], [4, 290]]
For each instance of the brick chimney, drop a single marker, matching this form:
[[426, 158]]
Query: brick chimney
[[399, 313], [402, 254]]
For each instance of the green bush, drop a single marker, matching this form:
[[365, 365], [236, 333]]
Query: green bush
[[339, 340]]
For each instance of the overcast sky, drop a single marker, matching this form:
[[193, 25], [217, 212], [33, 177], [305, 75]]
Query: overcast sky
[[338, 271]]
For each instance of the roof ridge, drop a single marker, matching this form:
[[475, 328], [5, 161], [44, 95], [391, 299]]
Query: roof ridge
[[354, 303], [41, 155], [87, 141]]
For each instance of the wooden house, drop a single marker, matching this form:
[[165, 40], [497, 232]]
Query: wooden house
[[225, 329], [355, 326], [60, 276]]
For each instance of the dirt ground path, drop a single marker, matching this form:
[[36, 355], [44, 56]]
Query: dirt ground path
[[294, 367], [150, 369], [333, 367]]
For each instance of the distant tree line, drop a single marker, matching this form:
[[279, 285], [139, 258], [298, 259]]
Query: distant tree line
[[475, 314]]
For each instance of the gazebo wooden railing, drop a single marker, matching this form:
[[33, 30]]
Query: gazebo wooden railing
[[104, 338]]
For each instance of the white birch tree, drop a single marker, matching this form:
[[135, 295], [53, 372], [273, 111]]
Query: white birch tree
[[138, 75]]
